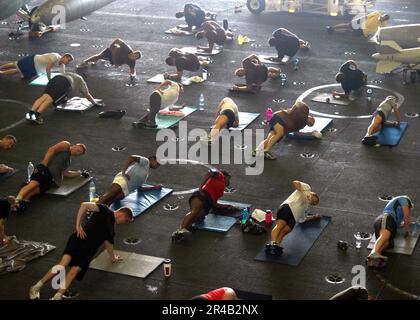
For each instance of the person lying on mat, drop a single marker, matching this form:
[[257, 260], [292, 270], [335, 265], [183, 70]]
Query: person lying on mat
[[286, 44], [293, 210], [351, 79], [366, 25], [119, 53], [255, 74], [38, 30], [227, 116], [352, 293], [380, 119], [7, 143], [282, 122], [183, 61], [215, 34], [194, 15], [51, 171], [57, 91], [166, 95], [132, 177], [6, 205], [218, 294], [95, 226], [202, 201], [397, 213], [34, 65]]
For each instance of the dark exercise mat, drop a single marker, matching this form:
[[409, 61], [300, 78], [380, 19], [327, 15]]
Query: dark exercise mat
[[297, 243]]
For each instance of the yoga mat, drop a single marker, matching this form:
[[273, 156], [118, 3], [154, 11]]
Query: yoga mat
[[216, 50], [324, 96], [245, 119], [391, 136], [306, 133], [178, 32], [297, 243], [77, 104], [186, 81], [165, 122], [68, 186], [215, 223]]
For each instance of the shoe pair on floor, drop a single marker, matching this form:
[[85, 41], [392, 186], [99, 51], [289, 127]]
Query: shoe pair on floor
[[273, 249], [34, 117]]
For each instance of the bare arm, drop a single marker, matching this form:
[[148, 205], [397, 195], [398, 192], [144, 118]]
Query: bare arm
[[131, 159], [84, 208], [110, 249], [48, 69], [300, 186], [407, 219], [59, 147], [72, 173], [206, 177], [397, 113], [251, 62], [89, 97]]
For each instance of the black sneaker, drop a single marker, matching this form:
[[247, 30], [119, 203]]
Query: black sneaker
[[180, 235], [28, 115], [273, 249], [330, 29], [21, 206], [116, 114]]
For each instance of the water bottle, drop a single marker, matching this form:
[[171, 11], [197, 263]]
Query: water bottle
[[202, 103], [167, 268], [268, 217], [369, 95], [204, 76], [269, 114], [283, 78], [92, 190], [245, 216], [296, 64], [31, 169]]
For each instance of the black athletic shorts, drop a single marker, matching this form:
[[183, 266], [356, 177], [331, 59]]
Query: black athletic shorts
[[230, 115], [381, 114], [44, 178], [81, 254], [107, 55], [385, 222], [58, 88], [285, 213], [205, 199], [277, 119]]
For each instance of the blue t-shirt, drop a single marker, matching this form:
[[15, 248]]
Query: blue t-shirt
[[394, 208]]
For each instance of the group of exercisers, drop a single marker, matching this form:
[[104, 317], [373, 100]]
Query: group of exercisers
[[84, 243]]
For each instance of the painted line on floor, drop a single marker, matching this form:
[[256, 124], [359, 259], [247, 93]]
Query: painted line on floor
[[27, 107]]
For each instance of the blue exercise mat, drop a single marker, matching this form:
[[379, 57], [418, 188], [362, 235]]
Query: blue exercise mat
[[140, 201], [4, 176], [321, 124], [391, 136], [297, 243], [215, 223]]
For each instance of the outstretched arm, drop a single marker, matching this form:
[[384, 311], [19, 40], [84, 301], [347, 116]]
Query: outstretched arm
[[301, 186], [59, 147], [110, 249], [407, 220], [84, 208]]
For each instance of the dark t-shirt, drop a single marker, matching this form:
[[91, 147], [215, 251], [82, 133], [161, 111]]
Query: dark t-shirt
[[185, 61], [286, 43], [194, 15], [256, 75], [120, 55], [4, 208], [353, 79], [296, 118], [100, 227]]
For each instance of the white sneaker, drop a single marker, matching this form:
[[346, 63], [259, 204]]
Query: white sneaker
[[34, 293]]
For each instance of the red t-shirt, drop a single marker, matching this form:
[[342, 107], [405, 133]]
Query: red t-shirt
[[215, 187], [215, 294]]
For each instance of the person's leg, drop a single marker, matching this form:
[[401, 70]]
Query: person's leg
[[278, 230], [220, 123], [96, 57], [230, 294], [71, 275], [34, 291], [155, 104], [352, 293], [40, 101], [32, 188], [382, 242], [197, 207], [45, 104], [343, 27], [282, 233], [375, 125], [10, 65], [274, 136], [114, 194], [9, 71]]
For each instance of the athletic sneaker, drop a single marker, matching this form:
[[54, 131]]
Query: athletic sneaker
[[82, 65], [180, 234], [34, 293], [37, 119], [273, 249], [21, 205], [269, 156], [376, 255], [375, 263], [28, 115]]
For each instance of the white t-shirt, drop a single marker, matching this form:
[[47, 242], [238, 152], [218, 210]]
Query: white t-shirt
[[170, 95], [228, 104], [41, 62], [299, 202]]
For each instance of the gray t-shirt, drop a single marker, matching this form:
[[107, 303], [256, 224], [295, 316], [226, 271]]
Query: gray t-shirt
[[78, 84], [58, 164], [138, 173], [386, 108]]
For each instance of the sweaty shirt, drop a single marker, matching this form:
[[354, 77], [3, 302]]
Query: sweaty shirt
[[119, 52], [286, 43], [296, 118], [215, 187], [299, 202], [185, 61], [78, 84], [41, 61], [58, 164], [394, 208]]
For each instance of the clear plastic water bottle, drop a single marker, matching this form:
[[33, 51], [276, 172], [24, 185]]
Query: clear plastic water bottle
[[201, 103], [296, 64], [369, 95], [283, 79], [31, 169], [92, 190], [245, 215], [269, 114], [204, 76]]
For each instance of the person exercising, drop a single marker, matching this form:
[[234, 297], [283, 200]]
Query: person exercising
[[95, 226], [7, 143], [380, 119], [183, 61], [51, 171], [227, 116], [282, 122], [255, 74], [215, 35], [287, 44], [293, 210], [351, 79], [132, 177]]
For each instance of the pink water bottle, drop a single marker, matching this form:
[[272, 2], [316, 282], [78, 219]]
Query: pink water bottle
[[268, 217], [269, 114]]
